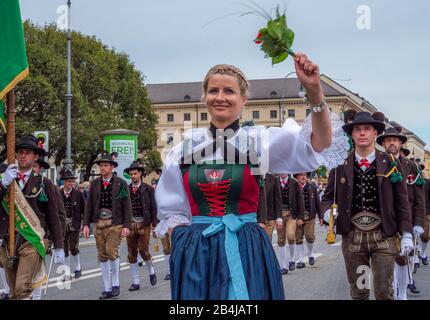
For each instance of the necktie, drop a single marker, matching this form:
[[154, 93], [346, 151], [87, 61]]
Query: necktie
[[364, 164], [134, 189], [284, 183], [105, 183], [21, 177]]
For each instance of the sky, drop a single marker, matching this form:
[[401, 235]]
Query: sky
[[378, 49]]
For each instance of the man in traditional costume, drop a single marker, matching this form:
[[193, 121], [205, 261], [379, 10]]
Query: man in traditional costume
[[144, 218], [109, 208], [36, 208], [373, 208]]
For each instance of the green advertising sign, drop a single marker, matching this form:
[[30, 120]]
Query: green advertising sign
[[123, 142]]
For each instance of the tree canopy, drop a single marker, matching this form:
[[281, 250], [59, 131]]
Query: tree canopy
[[108, 93]]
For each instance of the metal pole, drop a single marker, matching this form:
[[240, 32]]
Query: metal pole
[[11, 114], [283, 98], [68, 163]]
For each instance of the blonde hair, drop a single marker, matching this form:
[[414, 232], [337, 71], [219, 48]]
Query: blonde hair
[[227, 69]]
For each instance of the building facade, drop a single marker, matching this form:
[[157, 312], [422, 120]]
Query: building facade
[[271, 101]]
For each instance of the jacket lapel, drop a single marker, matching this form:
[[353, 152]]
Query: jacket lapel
[[97, 193], [349, 168], [116, 184], [381, 169], [30, 184], [405, 168]]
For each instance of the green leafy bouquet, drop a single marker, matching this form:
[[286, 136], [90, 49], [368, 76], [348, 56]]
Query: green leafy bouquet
[[276, 39]]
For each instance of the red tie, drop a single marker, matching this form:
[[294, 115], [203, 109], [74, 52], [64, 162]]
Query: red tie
[[364, 163], [21, 176], [105, 184], [134, 189]]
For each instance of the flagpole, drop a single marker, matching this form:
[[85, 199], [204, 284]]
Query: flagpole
[[68, 162], [11, 113]]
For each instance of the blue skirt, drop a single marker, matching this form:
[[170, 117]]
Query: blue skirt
[[199, 268]]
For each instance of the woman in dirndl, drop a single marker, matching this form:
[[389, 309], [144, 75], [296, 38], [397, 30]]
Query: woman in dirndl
[[207, 196]]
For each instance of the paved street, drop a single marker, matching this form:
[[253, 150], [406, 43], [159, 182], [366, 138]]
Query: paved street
[[325, 280]]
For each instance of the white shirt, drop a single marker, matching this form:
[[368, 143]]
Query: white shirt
[[27, 176], [371, 157], [67, 194]]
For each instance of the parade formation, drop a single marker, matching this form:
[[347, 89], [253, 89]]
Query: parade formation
[[228, 202]]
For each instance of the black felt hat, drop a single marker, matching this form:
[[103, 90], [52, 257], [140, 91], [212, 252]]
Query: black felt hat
[[134, 166], [67, 174], [105, 157], [29, 143], [363, 117], [392, 132], [41, 161]]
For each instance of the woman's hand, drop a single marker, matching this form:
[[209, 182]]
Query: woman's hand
[[309, 75]]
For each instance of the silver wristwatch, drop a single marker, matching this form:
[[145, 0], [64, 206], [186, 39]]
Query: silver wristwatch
[[319, 107]]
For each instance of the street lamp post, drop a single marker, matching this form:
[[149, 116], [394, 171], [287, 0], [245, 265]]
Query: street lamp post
[[302, 94], [68, 163]]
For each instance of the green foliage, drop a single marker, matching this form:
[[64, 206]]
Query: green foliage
[[276, 39], [108, 93]]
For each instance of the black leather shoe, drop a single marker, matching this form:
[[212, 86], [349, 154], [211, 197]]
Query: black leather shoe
[[425, 261], [77, 274], [115, 291], [134, 287], [105, 295], [413, 288], [416, 266], [153, 279], [4, 296], [291, 266], [300, 265], [284, 271], [167, 277]]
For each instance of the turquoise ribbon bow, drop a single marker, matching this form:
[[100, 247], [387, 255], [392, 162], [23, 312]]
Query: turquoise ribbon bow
[[237, 289]]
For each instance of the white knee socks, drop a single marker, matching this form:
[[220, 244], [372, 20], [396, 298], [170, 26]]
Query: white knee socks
[[6, 288], [37, 294], [300, 252], [135, 272], [402, 281], [310, 247], [77, 261], [150, 267], [282, 257], [167, 262], [105, 267], [291, 247], [114, 265], [423, 249]]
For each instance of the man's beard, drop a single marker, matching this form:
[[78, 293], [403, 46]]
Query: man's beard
[[393, 150]]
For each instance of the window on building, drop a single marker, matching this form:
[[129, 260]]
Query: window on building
[[256, 114], [308, 112], [273, 114], [170, 117], [187, 116], [203, 116], [291, 113]]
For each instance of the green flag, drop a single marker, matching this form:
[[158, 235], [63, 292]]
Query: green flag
[[13, 57]]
